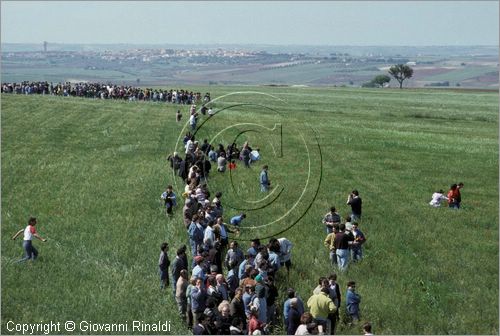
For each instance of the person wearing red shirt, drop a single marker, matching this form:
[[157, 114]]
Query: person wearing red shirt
[[254, 324], [453, 196]]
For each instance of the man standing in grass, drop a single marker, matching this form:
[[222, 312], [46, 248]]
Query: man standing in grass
[[359, 240], [264, 179], [320, 305], [163, 264], [341, 242], [330, 219], [30, 252], [177, 266], [355, 202], [330, 244], [352, 301]]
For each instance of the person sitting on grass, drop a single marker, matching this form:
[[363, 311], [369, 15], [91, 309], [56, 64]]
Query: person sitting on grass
[[437, 198]]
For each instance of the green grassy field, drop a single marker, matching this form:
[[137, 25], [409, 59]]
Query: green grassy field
[[92, 173]]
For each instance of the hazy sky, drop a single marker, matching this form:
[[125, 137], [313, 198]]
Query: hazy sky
[[315, 23]]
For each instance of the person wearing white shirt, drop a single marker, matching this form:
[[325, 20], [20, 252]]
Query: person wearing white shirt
[[30, 252], [192, 121], [285, 248], [437, 198], [209, 237]]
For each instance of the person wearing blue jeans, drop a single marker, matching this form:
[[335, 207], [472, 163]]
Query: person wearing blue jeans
[[30, 252], [342, 242], [359, 240]]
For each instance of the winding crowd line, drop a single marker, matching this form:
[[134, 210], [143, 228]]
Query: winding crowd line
[[106, 91], [229, 288]]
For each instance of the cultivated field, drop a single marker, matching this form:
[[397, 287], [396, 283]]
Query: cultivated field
[[92, 172]]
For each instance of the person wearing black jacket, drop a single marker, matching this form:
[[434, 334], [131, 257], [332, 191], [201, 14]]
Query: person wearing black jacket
[[178, 265], [163, 264]]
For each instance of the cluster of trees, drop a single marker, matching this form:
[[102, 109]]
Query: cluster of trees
[[399, 72]]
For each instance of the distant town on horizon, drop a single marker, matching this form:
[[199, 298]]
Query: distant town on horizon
[[248, 64]]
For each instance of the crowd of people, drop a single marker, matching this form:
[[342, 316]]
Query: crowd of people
[[230, 289], [226, 288], [106, 91]]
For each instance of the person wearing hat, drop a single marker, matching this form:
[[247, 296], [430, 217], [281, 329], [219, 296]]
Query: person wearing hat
[[260, 299]]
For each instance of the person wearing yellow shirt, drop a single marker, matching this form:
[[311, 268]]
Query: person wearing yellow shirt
[[330, 244], [320, 305]]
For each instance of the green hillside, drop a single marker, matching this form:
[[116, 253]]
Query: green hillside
[[92, 172]]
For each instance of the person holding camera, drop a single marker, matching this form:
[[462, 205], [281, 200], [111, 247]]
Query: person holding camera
[[355, 202]]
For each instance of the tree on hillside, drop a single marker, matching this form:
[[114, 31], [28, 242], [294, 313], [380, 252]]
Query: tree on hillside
[[380, 80], [400, 72]]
